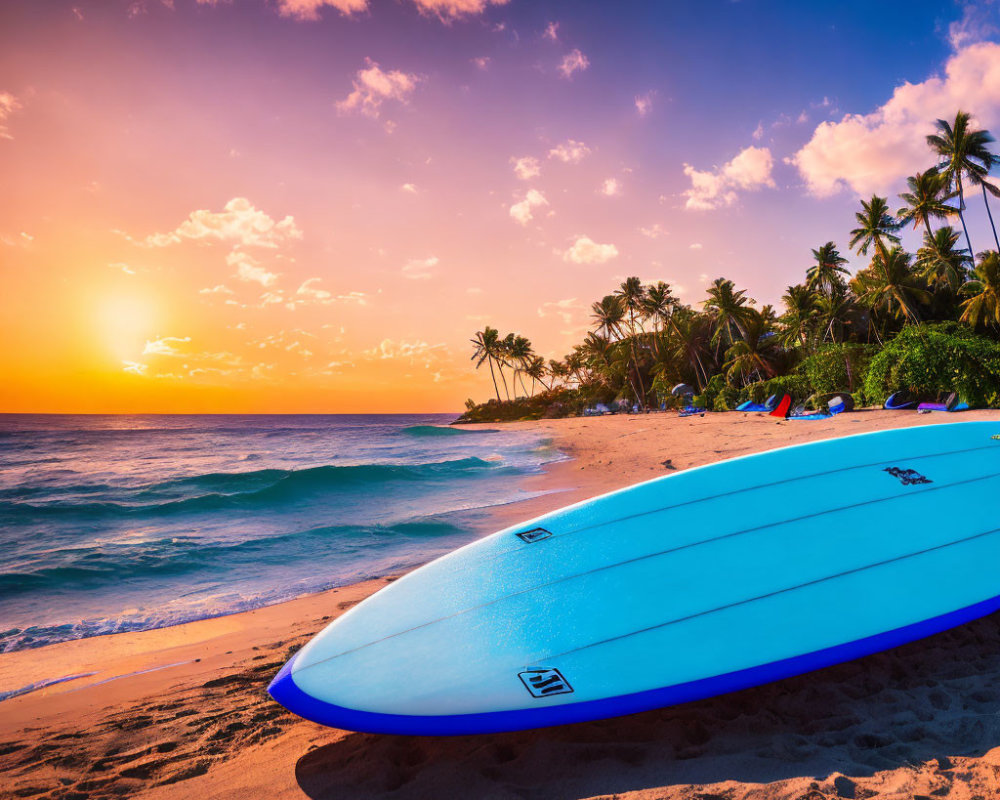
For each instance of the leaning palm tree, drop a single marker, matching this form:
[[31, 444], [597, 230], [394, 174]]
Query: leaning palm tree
[[732, 313], [875, 226], [890, 285], [487, 348], [940, 263], [536, 371], [982, 304], [965, 153], [657, 305], [520, 355], [828, 269], [927, 199]]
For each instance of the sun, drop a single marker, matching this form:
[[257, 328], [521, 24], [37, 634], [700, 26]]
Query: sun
[[125, 321]]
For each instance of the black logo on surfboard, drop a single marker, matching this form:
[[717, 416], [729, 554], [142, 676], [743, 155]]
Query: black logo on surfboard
[[534, 535], [545, 682], [907, 477]]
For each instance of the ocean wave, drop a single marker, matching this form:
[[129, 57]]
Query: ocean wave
[[257, 488], [107, 565], [440, 430]]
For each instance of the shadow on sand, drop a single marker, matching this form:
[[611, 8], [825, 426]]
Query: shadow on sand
[[929, 700]]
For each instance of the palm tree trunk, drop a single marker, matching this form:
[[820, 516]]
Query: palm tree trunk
[[492, 375], [506, 391], [990, 215], [961, 216]]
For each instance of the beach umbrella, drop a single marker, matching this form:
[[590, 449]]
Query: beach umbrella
[[681, 390]]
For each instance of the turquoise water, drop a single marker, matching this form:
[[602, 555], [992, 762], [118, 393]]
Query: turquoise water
[[119, 523]]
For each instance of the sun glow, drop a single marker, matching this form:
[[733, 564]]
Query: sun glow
[[125, 322]]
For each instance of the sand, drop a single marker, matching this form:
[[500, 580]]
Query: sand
[[182, 712]]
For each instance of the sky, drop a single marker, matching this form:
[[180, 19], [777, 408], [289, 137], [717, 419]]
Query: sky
[[312, 205]]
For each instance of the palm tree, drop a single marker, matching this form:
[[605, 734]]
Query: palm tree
[[875, 225], [658, 303], [488, 348], [608, 314], [926, 200], [890, 285], [689, 342], [631, 295], [836, 312], [520, 354], [965, 153], [828, 269], [939, 262], [800, 311], [755, 353], [982, 306], [536, 371], [731, 310]]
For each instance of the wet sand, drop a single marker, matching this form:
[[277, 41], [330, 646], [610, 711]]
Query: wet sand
[[182, 712]]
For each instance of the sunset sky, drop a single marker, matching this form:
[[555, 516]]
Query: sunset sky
[[311, 205]]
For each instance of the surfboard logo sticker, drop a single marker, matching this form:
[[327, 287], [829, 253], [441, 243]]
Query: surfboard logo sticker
[[545, 682], [907, 477], [534, 535]]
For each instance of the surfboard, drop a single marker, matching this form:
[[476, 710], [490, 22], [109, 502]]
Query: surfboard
[[691, 585]]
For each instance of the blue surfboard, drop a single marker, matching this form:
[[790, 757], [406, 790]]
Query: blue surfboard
[[687, 586]]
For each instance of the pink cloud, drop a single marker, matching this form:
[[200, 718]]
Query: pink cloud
[[872, 152], [308, 10], [573, 61], [454, 9], [373, 86]]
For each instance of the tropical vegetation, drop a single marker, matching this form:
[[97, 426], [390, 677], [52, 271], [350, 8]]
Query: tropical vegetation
[[927, 321]]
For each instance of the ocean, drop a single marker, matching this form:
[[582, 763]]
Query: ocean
[[124, 523]]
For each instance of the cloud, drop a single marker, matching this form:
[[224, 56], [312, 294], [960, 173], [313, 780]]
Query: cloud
[[611, 187], [248, 270], [123, 267], [8, 105], [414, 351], [564, 309], [977, 23], [482, 62], [654, 231], [135, 367], [308, 10], [586, 251], [239, 223], [570, 151], [373, 86], [573, 61], [526, 168], [872, 152], [749, 170], [551, 32], [219, 289], [522, 211], [409, 188], [420, 268], [164, 346], [447, 10], [644, 103], [695, 246]]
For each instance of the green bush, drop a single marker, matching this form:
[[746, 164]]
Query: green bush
[[926, 359], [837, 367], [719, 395], [795, 385]]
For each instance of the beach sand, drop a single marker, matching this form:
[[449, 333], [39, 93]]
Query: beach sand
[[182, 712]]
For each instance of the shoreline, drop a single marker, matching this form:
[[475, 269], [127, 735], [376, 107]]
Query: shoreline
[[180, 710]]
